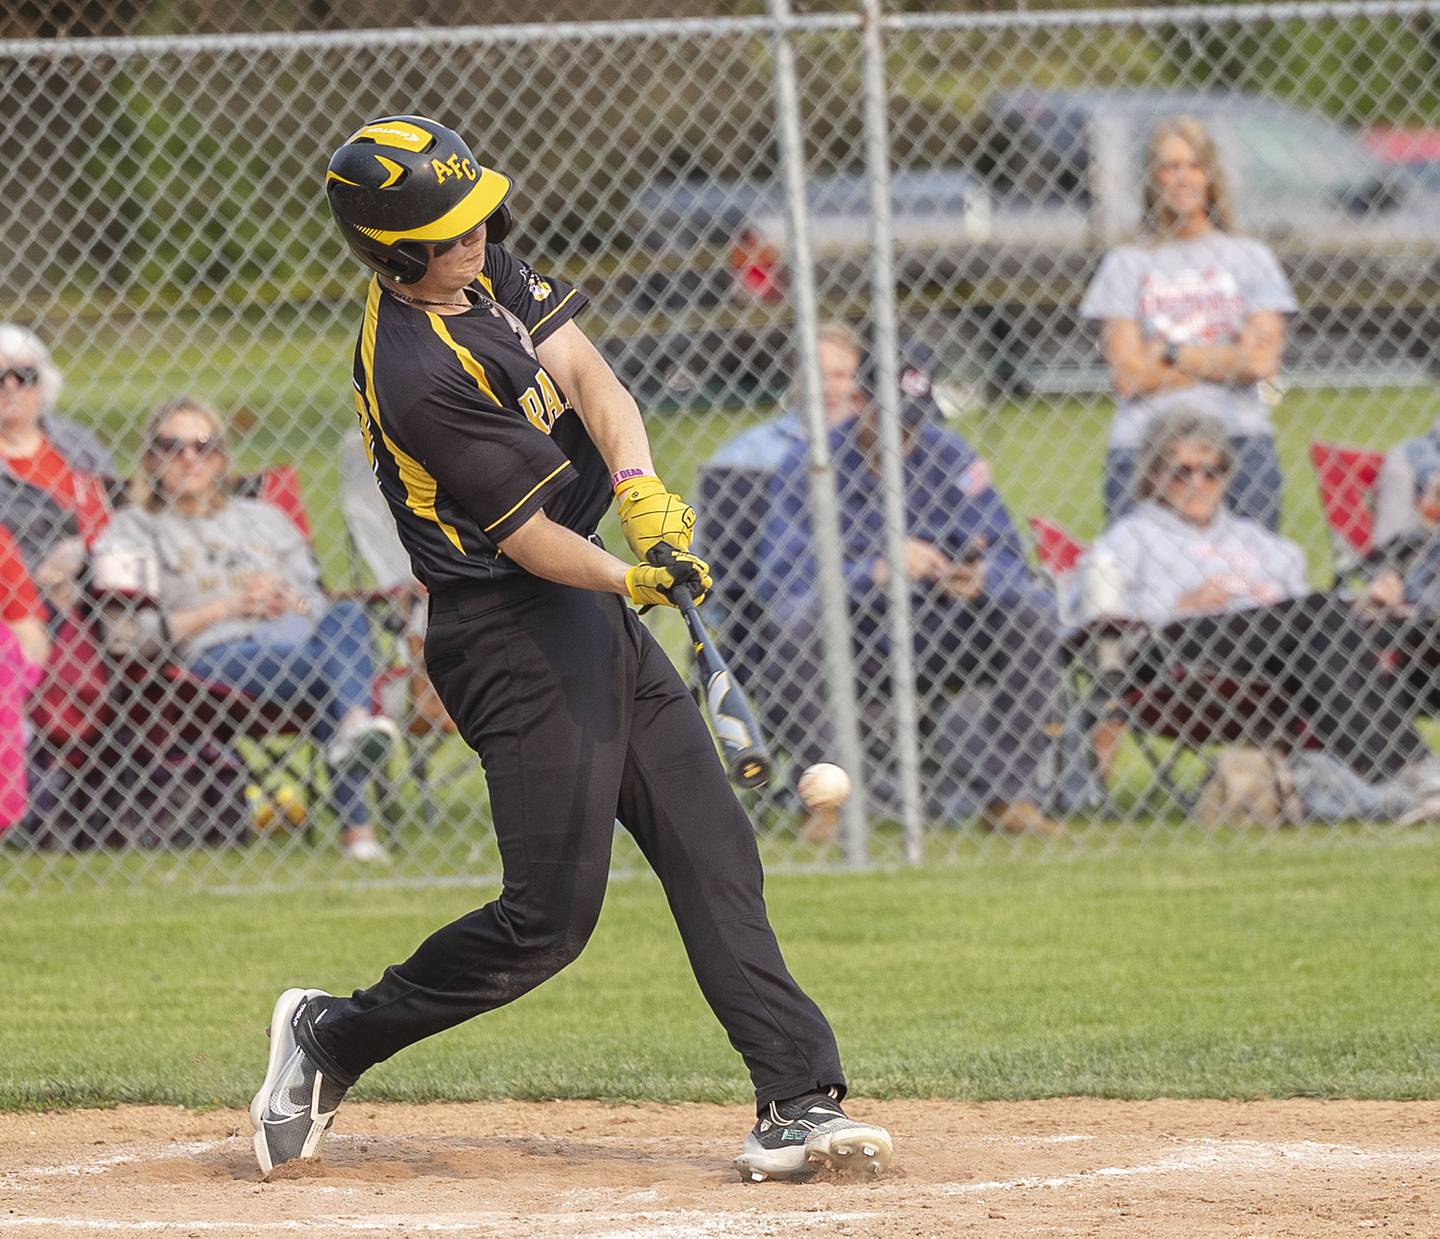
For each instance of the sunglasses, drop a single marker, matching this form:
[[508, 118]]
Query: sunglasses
[[1190, 473], [170, 445], [444, 247], [24, 376]]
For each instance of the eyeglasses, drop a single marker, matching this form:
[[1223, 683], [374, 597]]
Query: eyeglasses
[[23, 376], [170, 445], [1190, 473]]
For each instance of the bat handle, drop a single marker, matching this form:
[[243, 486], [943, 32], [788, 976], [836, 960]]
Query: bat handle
[[662, 555]]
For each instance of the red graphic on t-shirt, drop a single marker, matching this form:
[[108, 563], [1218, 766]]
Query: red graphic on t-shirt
[[1192, 306]]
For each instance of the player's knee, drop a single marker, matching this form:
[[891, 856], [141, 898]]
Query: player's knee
[[554, 932]]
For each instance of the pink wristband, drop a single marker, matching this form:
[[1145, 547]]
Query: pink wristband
[[621, 476]]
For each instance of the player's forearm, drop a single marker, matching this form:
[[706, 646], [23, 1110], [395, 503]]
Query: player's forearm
[[615, 425], [554, 553]]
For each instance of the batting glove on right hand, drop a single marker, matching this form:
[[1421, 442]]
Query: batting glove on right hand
[[651, 585], [650, 514]]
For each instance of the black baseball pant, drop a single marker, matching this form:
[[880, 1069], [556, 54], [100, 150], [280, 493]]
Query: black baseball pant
[[580, 719]]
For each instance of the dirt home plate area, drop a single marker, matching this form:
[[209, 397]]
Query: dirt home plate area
[[1067, 1167]]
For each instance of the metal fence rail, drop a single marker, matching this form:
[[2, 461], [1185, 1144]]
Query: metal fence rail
[[711, 184]]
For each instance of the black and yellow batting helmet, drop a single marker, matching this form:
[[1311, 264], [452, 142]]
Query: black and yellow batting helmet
[[402, 182]]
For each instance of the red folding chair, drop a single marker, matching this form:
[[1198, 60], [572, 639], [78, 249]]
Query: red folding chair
[[1346, 477], [1059, 553]]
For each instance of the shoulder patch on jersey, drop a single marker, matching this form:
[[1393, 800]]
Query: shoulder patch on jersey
[[539, 286]]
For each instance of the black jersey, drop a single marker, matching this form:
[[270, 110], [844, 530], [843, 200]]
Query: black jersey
[[468, 435]]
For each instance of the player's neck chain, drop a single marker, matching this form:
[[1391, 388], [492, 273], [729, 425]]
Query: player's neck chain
[[463, 304]]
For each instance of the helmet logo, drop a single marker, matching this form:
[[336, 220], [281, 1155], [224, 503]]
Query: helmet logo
[[393, 171], [402, 136], [452, 167]]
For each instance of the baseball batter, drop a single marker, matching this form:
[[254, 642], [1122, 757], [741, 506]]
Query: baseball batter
[[499, 437]]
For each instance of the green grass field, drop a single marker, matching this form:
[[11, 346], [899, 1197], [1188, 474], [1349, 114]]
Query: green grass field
[[1296, 970], [1142, 961]]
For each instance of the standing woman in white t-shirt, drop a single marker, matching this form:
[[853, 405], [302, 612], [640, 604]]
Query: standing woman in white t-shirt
[[1193, 317]]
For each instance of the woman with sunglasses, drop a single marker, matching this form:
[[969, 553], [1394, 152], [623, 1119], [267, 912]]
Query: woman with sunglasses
[[1223, 597], [1192, 316], [239, 599], [42, 450]]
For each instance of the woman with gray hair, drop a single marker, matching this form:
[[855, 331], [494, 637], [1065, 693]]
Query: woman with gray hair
[[30, 430], [51, 497], [1226, 598], [1192, 316]]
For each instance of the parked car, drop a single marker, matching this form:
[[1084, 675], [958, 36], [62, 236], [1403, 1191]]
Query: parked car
[[1070, 163], [1415, 151], [704, 280], [744, 222]]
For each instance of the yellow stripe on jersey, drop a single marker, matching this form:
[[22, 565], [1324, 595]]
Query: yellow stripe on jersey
[[554, 312], [485, 282], [467, 359], [365, 435], [561, 467], [420, 487]]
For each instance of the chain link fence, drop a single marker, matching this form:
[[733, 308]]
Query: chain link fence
[[1011, 673]]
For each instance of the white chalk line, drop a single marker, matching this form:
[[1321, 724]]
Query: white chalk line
[[1197, 1157], [649, 1224], [1212, 1156]]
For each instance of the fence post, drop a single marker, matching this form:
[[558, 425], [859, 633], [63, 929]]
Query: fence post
[[885, 342], [824, 507]]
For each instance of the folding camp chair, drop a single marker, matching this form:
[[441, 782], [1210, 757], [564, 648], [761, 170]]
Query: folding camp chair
[[1187, 706], [1346, 479], [169, 708]]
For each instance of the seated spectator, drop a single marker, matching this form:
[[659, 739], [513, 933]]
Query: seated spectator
[[41, 450], [978, 614], [53, 503], [239, 597], [1407, 588], [1192, 316], [1401, 483], [1223, 593], [24, 647], [765, 445]]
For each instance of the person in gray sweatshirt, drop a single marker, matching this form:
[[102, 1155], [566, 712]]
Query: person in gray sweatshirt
[[239, 601], [1226, 599]]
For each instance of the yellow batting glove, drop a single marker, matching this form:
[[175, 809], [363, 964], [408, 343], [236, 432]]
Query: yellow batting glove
[[655, 585], [649, 514]]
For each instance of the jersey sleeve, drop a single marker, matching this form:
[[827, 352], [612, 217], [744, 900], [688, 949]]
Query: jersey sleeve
[[498, 467], [542, 302]]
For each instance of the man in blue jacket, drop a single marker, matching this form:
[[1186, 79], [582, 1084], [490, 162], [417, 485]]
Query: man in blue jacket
[[979, 616]]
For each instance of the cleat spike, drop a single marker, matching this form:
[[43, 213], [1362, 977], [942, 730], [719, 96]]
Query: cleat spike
[[868, 1150], [757, 1176]]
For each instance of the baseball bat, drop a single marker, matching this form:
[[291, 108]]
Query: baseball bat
[[747, 760]]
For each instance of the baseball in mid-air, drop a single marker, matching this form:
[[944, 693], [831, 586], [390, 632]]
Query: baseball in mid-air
[[823, 786]]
